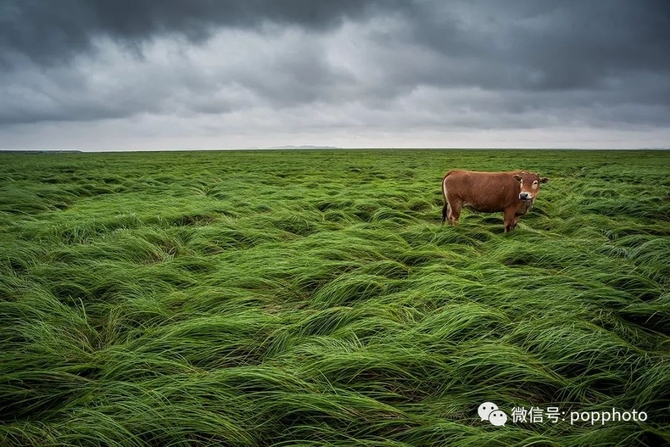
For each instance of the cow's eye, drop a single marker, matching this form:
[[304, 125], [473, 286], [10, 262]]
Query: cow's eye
[[535, 182]]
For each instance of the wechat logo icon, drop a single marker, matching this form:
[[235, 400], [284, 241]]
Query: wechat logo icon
[[489, 411]]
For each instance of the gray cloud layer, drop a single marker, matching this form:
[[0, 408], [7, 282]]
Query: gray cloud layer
[[52, 31], [330, 67]]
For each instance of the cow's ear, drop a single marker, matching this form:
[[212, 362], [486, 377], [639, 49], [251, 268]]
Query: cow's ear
[[544, 180], [517, 178]]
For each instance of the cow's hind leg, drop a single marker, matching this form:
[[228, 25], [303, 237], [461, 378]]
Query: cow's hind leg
[[451, 209], [455, 207], [445, 198]]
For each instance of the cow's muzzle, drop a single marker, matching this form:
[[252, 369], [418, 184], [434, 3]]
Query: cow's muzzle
[[525, 196]]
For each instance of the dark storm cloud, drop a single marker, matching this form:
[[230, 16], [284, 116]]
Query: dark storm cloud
[[543, 45], [388, 65], [48, 31]]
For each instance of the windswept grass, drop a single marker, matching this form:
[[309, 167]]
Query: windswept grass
[[313, 298]]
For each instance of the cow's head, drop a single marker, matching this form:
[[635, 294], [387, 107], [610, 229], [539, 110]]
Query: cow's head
[[529, 185]]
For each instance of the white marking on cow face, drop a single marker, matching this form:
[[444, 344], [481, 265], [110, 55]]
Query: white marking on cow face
[[529, 185], [529, 190]]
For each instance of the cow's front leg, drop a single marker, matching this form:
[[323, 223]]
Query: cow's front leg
[[509, 219]]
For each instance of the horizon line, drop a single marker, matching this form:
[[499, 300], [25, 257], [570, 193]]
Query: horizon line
[[326, 148]]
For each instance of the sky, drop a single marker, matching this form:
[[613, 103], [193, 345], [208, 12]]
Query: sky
[[98, 75]]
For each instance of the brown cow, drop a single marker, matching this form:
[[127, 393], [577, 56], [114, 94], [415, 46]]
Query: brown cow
[[512, 193]]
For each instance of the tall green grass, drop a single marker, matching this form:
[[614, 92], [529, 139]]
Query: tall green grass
[[313, 298]]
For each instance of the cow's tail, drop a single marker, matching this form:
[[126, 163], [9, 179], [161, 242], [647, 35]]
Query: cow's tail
[[445, 207]]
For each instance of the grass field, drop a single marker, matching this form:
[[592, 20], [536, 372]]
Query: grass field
[[313, 298]]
